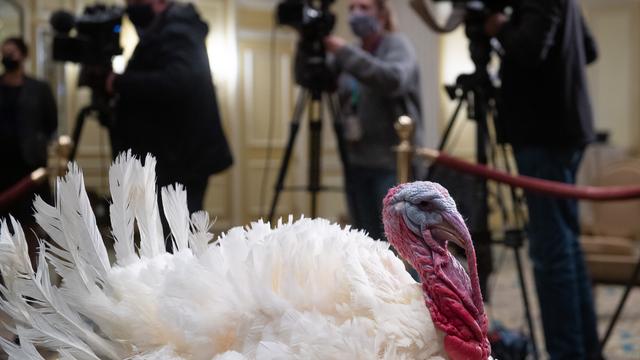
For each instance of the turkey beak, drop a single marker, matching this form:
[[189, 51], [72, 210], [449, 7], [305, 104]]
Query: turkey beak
[[448, 232]]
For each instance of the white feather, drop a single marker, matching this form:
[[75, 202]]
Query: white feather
[[65, 355], [200, 237], [80, 220], [50, 314], [165, 353], [146, 211], [122, 183], [23, 352], [174, 204]]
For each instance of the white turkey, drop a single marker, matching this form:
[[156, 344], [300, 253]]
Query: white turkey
[[306, 289]]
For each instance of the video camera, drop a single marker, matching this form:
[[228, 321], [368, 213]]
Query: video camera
[[473, 14], [314, 21], [97, 35], [92, 40], [477, 12]]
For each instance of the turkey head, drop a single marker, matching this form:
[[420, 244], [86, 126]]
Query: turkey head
[[420, 220]]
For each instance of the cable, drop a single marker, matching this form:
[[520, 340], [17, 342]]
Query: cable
[[272, 100]]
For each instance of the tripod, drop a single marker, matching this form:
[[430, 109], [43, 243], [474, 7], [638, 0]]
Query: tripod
[[478, 92], [94, 108], [314, 99], [94, 77]]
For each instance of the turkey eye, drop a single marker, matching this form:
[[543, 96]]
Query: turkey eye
[[427, 206]]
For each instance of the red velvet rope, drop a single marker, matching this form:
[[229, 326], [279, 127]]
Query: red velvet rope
[[16, 192], [555, 189]]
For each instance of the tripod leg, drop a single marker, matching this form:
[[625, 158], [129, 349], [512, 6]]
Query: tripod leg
[[452, 121], [315, 133], [338, 129], [519, 222], [633, 281], [525, 301], [77, 131], [481, 233], [446, 136], [293, 131]]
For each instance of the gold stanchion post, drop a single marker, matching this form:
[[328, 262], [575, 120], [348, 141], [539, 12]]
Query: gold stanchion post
[[63, 151], [404, 150]]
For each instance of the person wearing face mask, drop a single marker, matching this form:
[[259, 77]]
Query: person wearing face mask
[[28, 122], [380, 81], [165, 99]]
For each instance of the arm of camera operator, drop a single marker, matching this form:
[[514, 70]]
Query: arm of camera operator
[[390, 73], [529, 42], [173, 76]]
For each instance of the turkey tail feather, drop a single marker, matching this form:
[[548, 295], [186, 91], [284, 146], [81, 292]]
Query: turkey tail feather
[[200, 236], [146, 211], [122, 184], [32, 301], [174, 204], [79, 218]]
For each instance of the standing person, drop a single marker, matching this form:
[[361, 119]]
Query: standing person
[[546, 115], [28, 122], [166, 101], [383, 81]]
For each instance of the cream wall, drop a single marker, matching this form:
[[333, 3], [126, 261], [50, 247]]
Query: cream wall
[[615, 78]]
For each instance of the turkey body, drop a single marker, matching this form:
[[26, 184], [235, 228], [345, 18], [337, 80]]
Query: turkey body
[[306, 289]]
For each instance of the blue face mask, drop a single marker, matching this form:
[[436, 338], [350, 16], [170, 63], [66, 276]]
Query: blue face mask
[[364, 25]]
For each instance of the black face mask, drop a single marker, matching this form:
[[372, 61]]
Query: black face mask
[[10, 64], [141, 15]]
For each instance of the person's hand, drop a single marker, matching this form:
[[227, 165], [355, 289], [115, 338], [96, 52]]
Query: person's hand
[[334, 43], [494, 24], [109, 83]]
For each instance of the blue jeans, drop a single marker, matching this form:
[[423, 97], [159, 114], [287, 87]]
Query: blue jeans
[[366, 188], [562, 282]]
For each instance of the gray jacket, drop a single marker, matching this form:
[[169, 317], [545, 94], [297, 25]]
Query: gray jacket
[[388, 85]]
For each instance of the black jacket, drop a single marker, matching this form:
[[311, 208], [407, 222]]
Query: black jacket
[[24, 147], [544, 97], [37, 121], [167, 103]]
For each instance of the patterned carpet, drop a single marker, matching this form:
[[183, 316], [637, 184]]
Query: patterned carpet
[[506, 307]]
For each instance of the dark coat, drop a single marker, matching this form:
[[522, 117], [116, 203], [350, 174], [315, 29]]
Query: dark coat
[[544, 96], [167, 103], [37, 121]]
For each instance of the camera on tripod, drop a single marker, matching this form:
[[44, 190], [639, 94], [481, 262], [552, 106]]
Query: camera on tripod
[[311, 18], [92, 40], [314, 21], [476, 13]]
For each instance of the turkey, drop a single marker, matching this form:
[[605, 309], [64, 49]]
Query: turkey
[[305, 289]]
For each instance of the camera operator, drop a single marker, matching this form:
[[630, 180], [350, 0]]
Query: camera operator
[[166, 101], [28, 121], [545, 113], [383, 82]]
